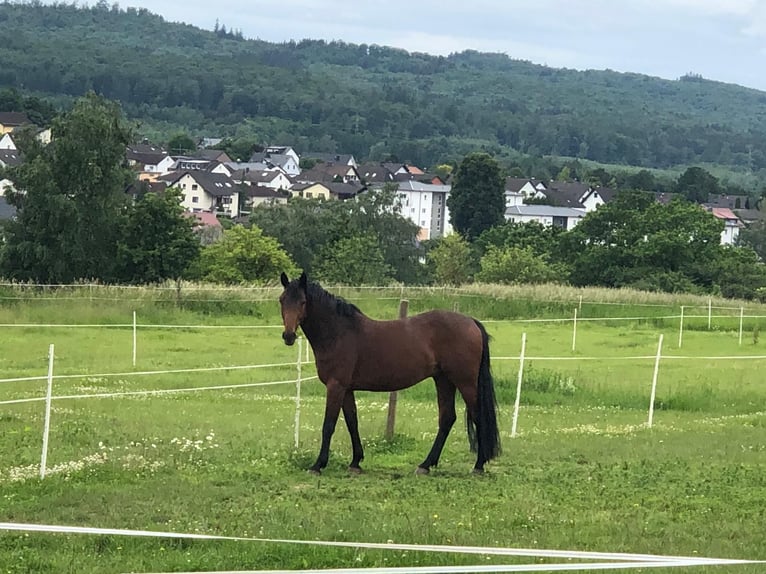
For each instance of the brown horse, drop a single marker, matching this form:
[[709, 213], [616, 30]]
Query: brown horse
[[356, 353]]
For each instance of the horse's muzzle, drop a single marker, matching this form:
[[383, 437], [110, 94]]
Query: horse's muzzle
[[289, 338]]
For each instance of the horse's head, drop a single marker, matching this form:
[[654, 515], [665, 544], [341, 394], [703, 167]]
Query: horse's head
[[293, 303]]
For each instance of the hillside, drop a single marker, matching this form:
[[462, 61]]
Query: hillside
[[372, 100]]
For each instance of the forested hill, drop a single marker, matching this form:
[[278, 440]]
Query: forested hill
[[372, 100]]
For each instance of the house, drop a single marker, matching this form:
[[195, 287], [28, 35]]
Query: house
[[206, 191], [6, 142], [141, 187], [282, 150], [149, 158], [597, 197], [728, 201], [375, 175], [425, 204], [527, 187], [9, 158], [275, 179], [260, 194], [343, 159], [514, 198], [311, 191], [732, 224], [44, 136], [191, 163], [566, 194], [212, 155], [208, 142], [283, 157], [343, 191], [748, 216], [327, 190], [546, 215], [326, 172], [9, 121]]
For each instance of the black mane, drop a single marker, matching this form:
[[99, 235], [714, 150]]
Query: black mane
[[317, 294]]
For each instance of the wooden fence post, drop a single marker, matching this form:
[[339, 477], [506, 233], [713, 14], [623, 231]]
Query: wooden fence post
[[403, 304]]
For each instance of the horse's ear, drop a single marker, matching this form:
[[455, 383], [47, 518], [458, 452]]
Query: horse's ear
[[284, 279], [303, 281]]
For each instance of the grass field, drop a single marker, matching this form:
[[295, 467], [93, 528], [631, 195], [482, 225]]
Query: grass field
[[583, 473]]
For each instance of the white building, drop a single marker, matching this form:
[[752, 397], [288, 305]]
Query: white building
[[546, 215], [425, 204], [6, 142]]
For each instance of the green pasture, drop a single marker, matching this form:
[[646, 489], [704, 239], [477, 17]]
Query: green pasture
[[583, 473]]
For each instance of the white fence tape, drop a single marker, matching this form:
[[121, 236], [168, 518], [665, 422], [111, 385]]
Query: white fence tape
[[153, 392], [482, 550], [481, 568], [143, 373]]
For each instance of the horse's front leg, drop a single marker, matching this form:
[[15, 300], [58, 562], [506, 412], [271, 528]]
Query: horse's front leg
[[333, 402], [352, 422]]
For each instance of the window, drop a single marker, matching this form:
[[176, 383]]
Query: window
[[424, 210], [195, 199], [183, 197], [226, 200], [194, 187], [309, 194], [423, 223]]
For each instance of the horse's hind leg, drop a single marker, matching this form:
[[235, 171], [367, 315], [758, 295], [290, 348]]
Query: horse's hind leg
[[352, 422], [445, 394]]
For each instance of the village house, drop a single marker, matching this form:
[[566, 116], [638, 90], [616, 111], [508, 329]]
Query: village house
[[6, 142], [148, 158], [327, 172], [732, 224], [343, 159], [546, 215], [425, 204], [260, 194], [9, 121], [206, 191], [283, 157]]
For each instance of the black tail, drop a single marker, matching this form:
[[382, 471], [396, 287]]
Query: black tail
[[485, 438]]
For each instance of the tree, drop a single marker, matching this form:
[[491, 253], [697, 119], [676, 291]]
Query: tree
[[159, 241], [452, 260], [542, 240], [304, 226], [634, 239], [244, 255], [754, 236], [515, 265], [182, 143], [71, 207], [641, 180], [477, 199], [354, 260], [697, 184]]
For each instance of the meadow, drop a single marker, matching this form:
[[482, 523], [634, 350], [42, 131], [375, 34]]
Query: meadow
[[584, 471]]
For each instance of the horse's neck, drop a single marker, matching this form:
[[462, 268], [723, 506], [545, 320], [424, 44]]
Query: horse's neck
[[323, 327]]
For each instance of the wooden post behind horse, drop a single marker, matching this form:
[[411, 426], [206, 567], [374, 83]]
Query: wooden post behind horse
[[353, 352]]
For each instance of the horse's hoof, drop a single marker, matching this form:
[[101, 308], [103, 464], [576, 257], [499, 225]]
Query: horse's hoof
[[355, 470], [422, 471], [478, 471], [315, 471]]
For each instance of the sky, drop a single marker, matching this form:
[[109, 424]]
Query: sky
[[722, 40]]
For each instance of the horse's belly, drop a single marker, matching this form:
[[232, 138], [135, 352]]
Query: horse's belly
[[391, 379]]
